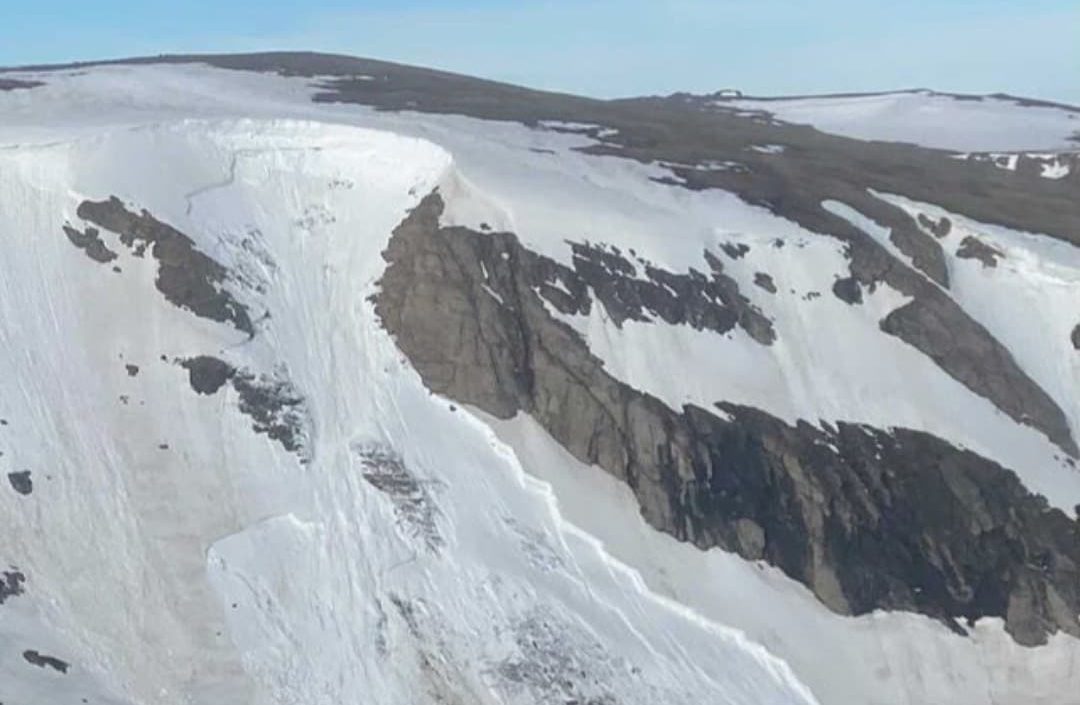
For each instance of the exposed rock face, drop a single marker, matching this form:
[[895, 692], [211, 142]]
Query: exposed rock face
[[866, 518], [43, 661], [21, 482], [974, 248], [925, 252], [1076, 336], [14, 84], [698, 142], [735, 250], [192, 280], [627, 291], [275, 407], [899, 520], [939, 228], [939, 328], [847, 289], [91, 243], [765, 282], [703, 302], [207, 374], [187, 277], [11, 584], [975, 358]]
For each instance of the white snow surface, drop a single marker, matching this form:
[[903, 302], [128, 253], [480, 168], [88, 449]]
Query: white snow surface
[[1028, 301], [937, 120], [227, 571]]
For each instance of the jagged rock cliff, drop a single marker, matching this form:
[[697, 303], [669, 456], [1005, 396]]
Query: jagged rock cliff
[[868, 518]]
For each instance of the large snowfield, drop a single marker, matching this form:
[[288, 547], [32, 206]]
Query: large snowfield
[[938, 120], [418, 551]]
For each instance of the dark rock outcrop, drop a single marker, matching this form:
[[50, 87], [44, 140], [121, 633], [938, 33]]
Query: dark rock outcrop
[[187, 277], [847, 289], [91, 243], [1076, 336], [11, 584], [976, 359], [42, 661], [974, 248], [698, 140], [14, 84], [272, 403], [21, 482], [275, 408], [925, 252], [815, 168], [934, 324], [518, 357], [627, 291], [765, 281], [867, 518], [938, 228], [735, 250], [207, 374], [703, 302]]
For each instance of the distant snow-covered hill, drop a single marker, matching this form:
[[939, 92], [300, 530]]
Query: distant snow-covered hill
[[327, 380], [973, 123]]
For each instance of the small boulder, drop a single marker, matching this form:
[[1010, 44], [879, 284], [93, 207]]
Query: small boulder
[[21, 482]]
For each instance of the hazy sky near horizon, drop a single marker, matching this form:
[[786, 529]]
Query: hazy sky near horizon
[[603, 47]]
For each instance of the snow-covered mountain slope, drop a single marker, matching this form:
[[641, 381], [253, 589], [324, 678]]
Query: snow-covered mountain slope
[[327, 380], [967, 123], [179, 555]]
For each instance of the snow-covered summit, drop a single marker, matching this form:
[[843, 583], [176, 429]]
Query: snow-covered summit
[[966, 123]]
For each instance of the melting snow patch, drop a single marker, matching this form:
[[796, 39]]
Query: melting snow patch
[[1057, 169], [767, 148]]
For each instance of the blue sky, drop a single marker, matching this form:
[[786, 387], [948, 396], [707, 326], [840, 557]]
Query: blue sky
[[604, 47]]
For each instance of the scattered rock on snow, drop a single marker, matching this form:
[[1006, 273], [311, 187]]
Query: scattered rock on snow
[[21, 482]]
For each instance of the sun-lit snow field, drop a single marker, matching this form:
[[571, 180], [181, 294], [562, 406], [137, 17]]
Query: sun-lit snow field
[[939, 120], [427, 553], [220, 569]]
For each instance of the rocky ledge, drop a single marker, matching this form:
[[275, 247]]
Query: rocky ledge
[[867, 518]]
